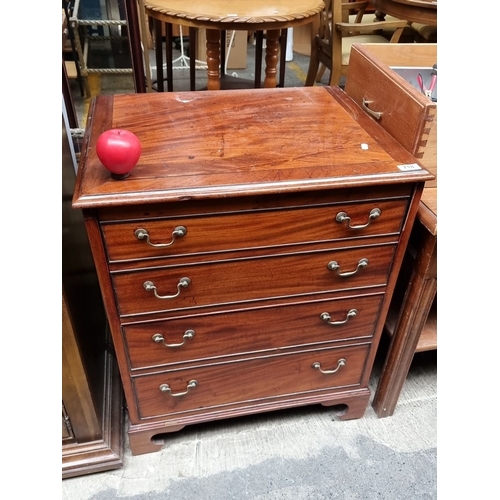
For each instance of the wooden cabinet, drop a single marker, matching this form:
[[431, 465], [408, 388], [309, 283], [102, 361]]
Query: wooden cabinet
[[92, 411], [248, 260]]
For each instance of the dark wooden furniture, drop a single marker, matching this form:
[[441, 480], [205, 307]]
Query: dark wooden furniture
[[336, 33], [412, 119], [412, 319], [248, 261], [414, 11], [92, 411]]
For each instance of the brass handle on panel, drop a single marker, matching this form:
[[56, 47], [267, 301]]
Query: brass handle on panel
[[150, 286], [178, 232], [158, 337], [166, 388], [327, 318], [343, 217], [340, 363], [335, 266], [376, 114]]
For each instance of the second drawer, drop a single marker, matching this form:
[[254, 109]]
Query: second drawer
[[243, 280]]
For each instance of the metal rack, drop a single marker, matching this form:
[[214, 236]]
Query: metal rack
[[89, 28]]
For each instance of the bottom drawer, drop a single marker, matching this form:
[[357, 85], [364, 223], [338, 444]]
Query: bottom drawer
[[250, 381]]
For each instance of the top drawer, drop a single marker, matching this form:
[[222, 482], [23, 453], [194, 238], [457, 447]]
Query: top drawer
[[181, 235], [409, 116]]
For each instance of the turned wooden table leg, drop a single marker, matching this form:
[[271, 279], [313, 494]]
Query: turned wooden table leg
[[414, 312], [213, 59], [272, 52]]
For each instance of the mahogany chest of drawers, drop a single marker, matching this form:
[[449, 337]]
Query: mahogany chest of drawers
[[247, 262]]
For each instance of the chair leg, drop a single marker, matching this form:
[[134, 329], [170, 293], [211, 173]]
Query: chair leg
[[223, 41], [335, 74], [312, 72], [321, 72], [282, 67], [259, 41], [169, 57], [158, 55], [193, 33]]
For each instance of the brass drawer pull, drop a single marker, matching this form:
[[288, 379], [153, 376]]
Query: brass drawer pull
[[376, 114], [334, 266], [178, 232], [166, 388], [158, 337], [374, 214], [341, 362], [327, 318], [183, 283]]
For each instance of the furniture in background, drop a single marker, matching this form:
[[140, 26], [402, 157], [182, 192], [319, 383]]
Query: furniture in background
[[92, 27], [256, 15], [70, 55], [66, 90], [248, 260], [415, 11], [164, 30], [411, 118], [92, 412], [421, 16], [335, 35]]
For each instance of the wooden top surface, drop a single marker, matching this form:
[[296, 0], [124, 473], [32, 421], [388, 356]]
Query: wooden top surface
[[239, 142], [201, 12], [428, 4], [427, 211], [416, 11]]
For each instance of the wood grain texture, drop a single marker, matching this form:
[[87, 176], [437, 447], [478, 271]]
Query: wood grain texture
[[300, 225], [406, 113], [219, 335], [409, 116], [225, 282], [251, 381], [258, 178], [245, 142]]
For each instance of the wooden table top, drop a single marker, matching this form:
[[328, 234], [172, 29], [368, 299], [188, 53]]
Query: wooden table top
[[427, 212], [238, 143], [236, 13], [416, 11]]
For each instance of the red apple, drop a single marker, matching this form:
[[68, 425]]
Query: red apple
[[119, 151]]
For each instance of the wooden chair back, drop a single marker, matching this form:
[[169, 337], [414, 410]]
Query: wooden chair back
[[336, 33]]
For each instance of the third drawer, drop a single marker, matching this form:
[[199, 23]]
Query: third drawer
[[198, 338]]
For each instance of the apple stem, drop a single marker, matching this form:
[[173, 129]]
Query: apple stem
[[119, 177]]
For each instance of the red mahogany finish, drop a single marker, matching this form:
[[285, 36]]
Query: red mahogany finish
[[281, 233]]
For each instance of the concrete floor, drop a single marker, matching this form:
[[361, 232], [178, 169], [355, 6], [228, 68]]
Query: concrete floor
[[304, 453]]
